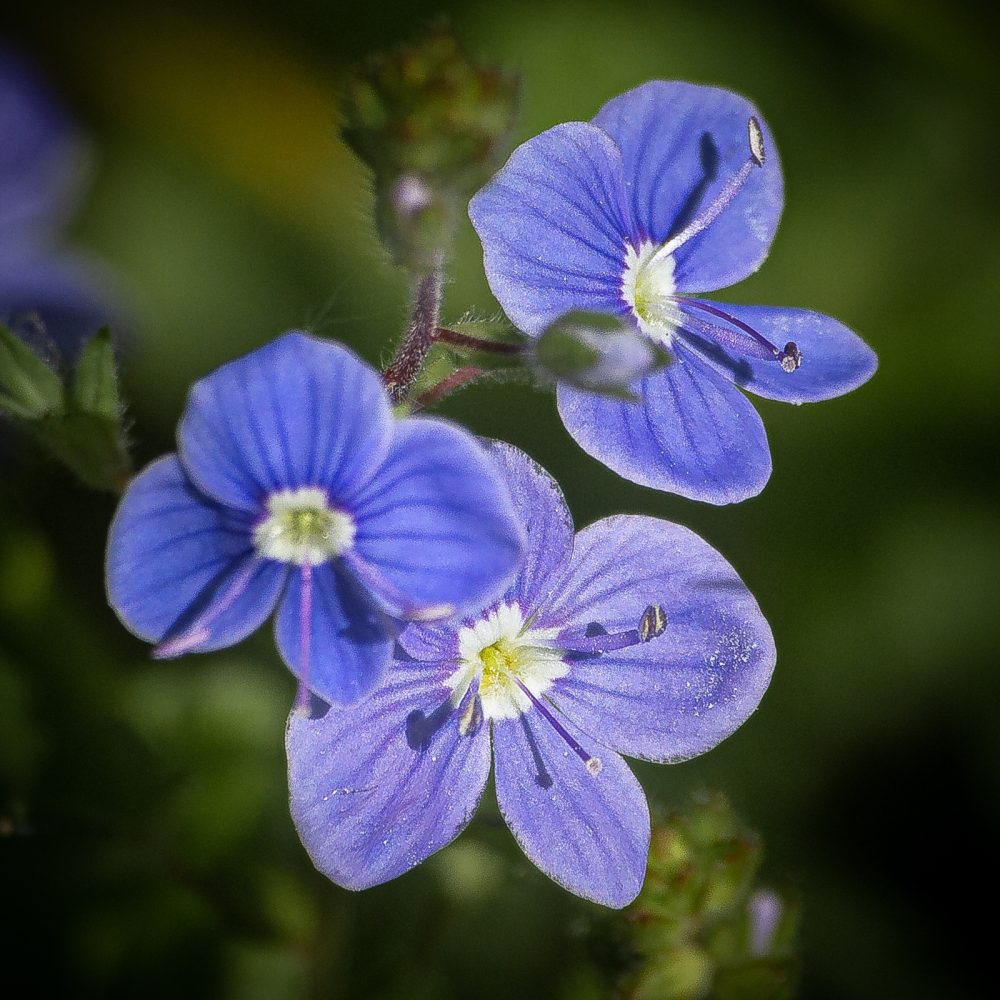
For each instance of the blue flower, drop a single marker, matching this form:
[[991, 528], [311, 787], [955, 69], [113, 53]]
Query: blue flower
[[672, 190], [295, 487], [41, 284], [633, 638]]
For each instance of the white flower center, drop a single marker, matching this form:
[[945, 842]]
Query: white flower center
[[301, 527], [648, 287], [500, 652]]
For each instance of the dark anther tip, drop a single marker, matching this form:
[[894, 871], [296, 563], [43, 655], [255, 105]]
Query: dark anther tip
[[756, 136], [652, 623], [791, 357]]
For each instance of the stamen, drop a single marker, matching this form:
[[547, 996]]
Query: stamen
[[653, 623], [593, 764], [305, 636], [731, 188], [198, 631], [790, 358], [393, 601]]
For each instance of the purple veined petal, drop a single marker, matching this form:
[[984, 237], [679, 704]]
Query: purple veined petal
[[680, 144], [554, 223], [377, 788], [436, 520], [685, 691], [64, 299], [541, 510], [588, 832], [296, 412], [182, 569], [692, 432], [835, 360], [348, 639], [40, 155]]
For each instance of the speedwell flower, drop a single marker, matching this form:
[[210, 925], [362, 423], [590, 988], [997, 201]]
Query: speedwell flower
[[40, 168], [295, 487], [634, 638], [672, 190]]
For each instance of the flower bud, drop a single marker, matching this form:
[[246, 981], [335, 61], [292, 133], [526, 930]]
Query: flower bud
[[597, 352]]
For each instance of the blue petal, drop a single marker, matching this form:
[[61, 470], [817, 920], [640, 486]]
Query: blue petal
[[680, 143], [835, 360], [692, 432], [554, 223], [379, 787], [541, 511], [296, 412], [350, 640], [687, 690], [182, 569], [588, 832], [436, 520]]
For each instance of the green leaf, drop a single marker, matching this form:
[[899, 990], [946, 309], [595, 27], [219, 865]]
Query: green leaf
[[89, 445], [29, 388], [95, 382]]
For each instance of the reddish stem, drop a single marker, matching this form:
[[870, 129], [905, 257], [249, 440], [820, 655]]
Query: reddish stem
[[445, 336], [459, 378]]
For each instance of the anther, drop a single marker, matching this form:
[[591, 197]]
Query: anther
[[791, 357], [471, 718], [653, 623], [756, 141]]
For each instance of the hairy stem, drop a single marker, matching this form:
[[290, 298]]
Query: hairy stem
[[411, 354]]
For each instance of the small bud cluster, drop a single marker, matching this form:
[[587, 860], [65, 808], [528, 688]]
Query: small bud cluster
[[430, 124], [700, 927]]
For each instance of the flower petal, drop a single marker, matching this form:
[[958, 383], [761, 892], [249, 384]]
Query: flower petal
[[554, 223], [681, 143], [350, 640], [541, 511], [181, 568], [589, 832], [436, 520], [377, 788], [682, 693], [691, 433], [835, 360], [296, 412]]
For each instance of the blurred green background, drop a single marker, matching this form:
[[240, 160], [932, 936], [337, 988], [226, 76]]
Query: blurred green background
[[145, 843]]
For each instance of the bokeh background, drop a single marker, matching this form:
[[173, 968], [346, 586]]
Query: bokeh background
[[145, 843]]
